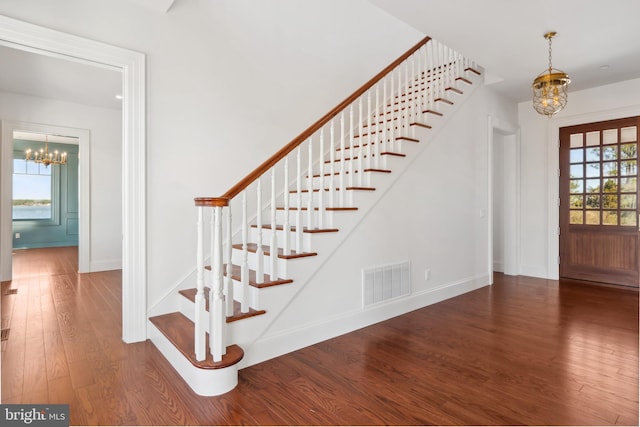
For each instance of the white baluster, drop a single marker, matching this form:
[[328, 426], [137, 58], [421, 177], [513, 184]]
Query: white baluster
[[352, 150], [379, 134], [398, 121], [342, 157], [392, 129], [244, 270], [273, 256], [384, 122], [407, 97], [370, 137], [321, 189], [332, 167], [431, 87], [360, 143], [216, 296], [200, 303], [228, 282], [299, 225], [286, 226], [259, 250], [414, 97], [310, 216]]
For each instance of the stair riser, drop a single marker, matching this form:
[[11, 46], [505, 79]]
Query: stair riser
[[266, 238], [205, 382]]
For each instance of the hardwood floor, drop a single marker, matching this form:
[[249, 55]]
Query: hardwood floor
[[524, 351]]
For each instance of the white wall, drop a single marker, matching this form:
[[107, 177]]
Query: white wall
[[539, 179], [435, 216], [228, 84], [105, 126]]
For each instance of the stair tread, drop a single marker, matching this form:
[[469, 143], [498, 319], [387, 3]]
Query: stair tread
[[384, 153], [180, 331], [423, 125], [293, 208], [236, 274], [190, 294], [252, 247], [317, 175], [317, 190], [304, 229]]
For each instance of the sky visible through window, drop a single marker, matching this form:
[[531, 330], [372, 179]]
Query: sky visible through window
[[31, 190]]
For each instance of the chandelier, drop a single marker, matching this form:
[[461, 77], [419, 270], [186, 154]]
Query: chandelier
[[45, 157], [550, 87]]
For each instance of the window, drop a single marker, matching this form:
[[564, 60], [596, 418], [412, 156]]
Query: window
[[603, 172], [32, 191]]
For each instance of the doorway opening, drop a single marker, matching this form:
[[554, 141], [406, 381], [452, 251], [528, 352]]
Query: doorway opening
[[28, 37], [504, 200]]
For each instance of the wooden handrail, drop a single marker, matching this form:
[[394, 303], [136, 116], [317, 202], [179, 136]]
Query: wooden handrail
[[280, 154]]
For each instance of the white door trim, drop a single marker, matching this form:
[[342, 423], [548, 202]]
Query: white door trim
[[514, 208], [33, 38]]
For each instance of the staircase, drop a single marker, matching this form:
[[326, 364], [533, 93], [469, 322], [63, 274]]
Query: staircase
[[262, 241]]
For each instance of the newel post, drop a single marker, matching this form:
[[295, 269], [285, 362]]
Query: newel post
[[217, 309]]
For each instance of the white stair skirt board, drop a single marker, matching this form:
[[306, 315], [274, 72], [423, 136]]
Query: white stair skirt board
[[205, 382]]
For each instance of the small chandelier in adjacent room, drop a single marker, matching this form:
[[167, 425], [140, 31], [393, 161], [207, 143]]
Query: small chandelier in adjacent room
[[550, 87], [45, 157]]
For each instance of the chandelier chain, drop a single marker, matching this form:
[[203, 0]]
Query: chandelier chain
[[550, 67]]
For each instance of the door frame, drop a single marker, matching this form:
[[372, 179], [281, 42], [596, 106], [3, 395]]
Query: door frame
[[553, 181], [513, 229], [33, 38]]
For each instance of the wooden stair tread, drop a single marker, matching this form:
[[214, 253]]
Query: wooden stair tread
[[454, 89], [180, 331], [473, 70], [377, 170], [317, 190], [252, 247], [236, 274], [434, 112], [445, 100], [388, 153], [406, 138], [190, 294], [462, 79], [384, 153], [423, 125], [291, 208], [304, 229], [317, 175]]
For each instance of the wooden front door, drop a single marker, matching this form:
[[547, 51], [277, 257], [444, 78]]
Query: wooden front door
[[599, 229]]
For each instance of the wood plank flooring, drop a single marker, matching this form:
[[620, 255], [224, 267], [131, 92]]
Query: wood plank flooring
[[524, 351]]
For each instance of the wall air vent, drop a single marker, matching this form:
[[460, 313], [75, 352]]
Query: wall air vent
[[385, 282]]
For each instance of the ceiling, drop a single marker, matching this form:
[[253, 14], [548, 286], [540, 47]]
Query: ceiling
[[598, 41], [51, 77]]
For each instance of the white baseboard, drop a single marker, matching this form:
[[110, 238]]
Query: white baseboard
[[296, 338], [534, 271], [106, 265]]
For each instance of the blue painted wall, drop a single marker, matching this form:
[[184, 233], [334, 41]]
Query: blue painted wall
[[62, 229]]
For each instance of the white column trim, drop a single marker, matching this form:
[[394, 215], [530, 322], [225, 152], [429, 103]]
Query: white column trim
[[41, 40]]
